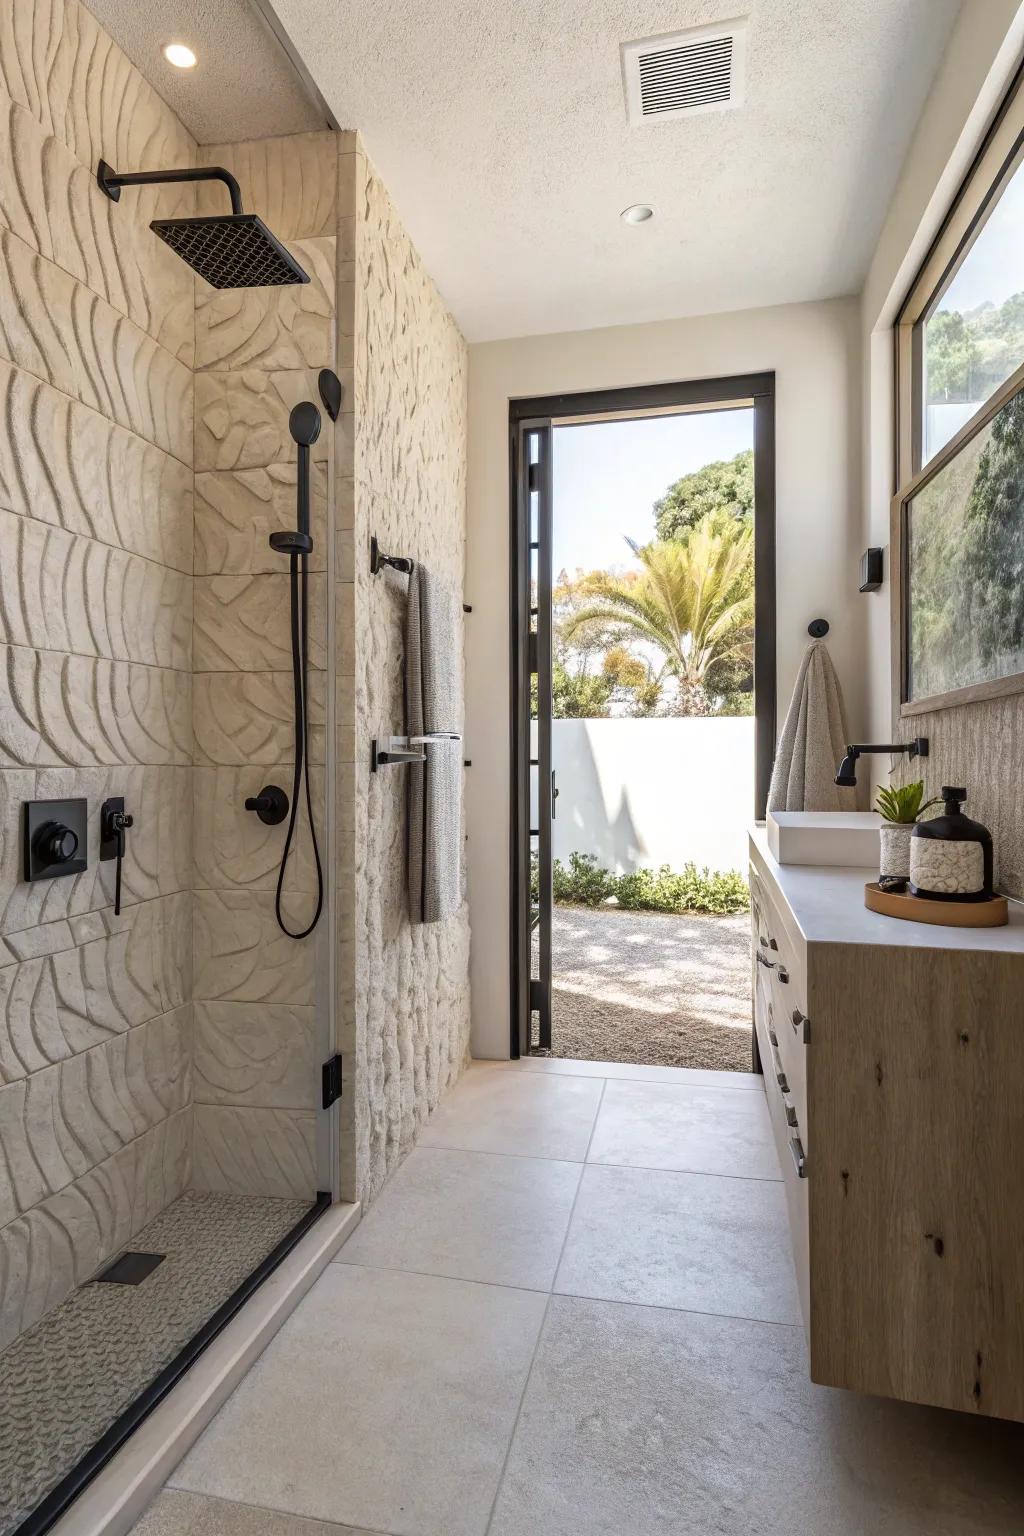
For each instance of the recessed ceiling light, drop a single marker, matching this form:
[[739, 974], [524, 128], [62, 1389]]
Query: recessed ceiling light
[[636, 213], [180, 56]]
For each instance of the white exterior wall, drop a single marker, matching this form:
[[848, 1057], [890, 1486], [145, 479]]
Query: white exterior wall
[[640, 793]]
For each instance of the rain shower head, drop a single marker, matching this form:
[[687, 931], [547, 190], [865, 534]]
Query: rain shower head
[[229, 250], [235, 250]]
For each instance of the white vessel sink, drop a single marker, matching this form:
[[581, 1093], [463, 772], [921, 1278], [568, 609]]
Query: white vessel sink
[[824, 837]]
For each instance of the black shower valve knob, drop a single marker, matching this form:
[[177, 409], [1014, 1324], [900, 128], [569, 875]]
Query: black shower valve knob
[[55, 838], [270, 805], [56, 843]]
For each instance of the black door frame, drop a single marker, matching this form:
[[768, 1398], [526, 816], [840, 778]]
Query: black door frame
[[758, 388]]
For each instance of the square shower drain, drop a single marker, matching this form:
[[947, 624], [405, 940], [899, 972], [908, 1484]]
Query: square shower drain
[[131, 1268]]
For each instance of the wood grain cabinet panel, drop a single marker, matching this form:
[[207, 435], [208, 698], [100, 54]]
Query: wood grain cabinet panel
[[908, 1226]]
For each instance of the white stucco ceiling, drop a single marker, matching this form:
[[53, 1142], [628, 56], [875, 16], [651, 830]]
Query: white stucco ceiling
[[244, 85], [501, 132]]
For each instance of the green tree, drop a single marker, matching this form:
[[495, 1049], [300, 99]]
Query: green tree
[[969, 354], [952, 356], [579, 695], [724, 486], [992, 547], [637, 686], [693, 599]]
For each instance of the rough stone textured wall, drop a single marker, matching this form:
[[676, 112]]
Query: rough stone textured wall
[[407, 1026], [96, 484], [258, 352]]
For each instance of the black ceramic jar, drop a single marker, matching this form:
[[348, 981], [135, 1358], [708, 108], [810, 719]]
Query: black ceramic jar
[[951, 855]]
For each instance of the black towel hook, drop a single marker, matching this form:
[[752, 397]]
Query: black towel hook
[[818, 629], [378, 559]]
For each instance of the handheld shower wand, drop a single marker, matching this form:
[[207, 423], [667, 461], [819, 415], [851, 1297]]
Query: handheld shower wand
[[297, 543]]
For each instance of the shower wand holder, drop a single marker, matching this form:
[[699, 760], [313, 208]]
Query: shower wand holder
[[114, 823], [291, 541]]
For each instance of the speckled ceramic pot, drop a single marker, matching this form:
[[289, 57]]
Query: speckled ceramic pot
[[894, 860]]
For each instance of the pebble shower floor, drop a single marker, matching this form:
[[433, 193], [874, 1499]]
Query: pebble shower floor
[[66, 1380]]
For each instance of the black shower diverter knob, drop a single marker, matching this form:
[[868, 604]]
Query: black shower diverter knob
[[55, 843]]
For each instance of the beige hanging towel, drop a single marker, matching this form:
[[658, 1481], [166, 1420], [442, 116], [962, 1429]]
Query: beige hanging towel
[[432, 668], [813, 741]]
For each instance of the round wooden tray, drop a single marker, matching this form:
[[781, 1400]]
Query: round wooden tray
[[945, 914]]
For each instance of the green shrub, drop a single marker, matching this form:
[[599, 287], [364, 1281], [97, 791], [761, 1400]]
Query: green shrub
[[662, 890], [584, 883]]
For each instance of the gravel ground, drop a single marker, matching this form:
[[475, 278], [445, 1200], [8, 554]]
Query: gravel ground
[[651, 987]]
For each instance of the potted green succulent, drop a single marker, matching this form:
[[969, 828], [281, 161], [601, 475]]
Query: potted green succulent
[[900, 808]]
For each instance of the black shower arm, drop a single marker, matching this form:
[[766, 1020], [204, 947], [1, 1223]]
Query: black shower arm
[[111, 182]]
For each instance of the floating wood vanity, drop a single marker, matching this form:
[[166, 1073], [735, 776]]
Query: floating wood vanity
[[893, 1060]]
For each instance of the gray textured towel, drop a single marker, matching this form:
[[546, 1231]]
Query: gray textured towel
[[432, 669], [813, 741]]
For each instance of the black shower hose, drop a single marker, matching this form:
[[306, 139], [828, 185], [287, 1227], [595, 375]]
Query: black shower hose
[[300, 656]]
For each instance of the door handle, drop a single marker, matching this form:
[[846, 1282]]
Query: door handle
[[554, 794], [799, 1157]]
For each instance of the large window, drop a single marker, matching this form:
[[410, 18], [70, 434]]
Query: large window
[[958, 515], [974, 330]]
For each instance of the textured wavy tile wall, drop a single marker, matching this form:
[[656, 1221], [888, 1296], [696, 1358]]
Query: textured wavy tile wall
[[258, 352], [97, 346], [406, 1027]]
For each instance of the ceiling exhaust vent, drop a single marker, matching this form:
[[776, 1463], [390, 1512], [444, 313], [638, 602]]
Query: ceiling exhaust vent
[[696, 71]]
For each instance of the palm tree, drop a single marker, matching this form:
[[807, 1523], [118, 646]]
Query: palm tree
[[693, 599]]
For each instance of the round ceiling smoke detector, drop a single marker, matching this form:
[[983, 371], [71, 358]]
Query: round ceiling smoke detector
[[636, 213], [180, 55]]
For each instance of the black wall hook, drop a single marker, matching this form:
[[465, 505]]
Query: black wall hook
[[378, 559], [818, 628]]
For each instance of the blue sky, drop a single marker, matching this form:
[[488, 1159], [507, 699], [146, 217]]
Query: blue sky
[[607, 477], [994, 269]]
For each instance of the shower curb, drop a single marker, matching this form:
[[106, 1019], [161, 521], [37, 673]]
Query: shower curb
[[116, 1497]]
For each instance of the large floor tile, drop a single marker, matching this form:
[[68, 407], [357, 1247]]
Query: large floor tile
[[682, 1240], [386, 1401], [192, 1514], [637, 1072], [471, 1215], [491, 1110], [694, 1130], [643, 1422]]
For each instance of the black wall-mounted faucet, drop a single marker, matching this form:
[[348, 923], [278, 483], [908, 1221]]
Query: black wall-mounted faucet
[[846, 774]]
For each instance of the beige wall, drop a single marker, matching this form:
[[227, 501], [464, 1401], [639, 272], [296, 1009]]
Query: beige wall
[[407, 1027], [96, 355], [258, 1043], [979, 745], [813, 349]]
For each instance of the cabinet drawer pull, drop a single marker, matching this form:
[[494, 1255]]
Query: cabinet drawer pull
[[782, 1080], [789, 1109], [796, 1148], [767, 943], [773, 965], [800, 1020], [772, 1036]]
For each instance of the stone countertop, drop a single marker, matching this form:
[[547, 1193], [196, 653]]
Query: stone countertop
[[827, 904]]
